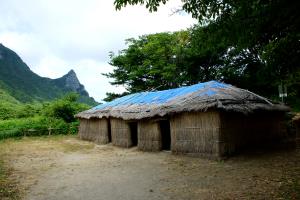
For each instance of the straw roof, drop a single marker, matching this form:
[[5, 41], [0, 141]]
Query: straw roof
[[199, 97]]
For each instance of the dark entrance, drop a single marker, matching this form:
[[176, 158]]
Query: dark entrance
[[133, 132], [109, 130], [165, 131]]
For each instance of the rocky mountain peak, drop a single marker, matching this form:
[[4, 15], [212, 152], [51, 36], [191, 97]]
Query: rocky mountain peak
[[71, 73], [26, 86], [72, 81]]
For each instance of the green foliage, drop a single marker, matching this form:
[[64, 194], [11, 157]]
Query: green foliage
[[5, 97], [253, 44], [18, 85], [204, 55], [21, 83], [9, 111], [205, 10], [36, 126], [8, 105], [56, 117], [65, 108], [148, 59], [11, 108], [11, 133], [28, 110], [73, 127], [28, 126]]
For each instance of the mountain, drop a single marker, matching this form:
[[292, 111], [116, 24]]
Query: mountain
[[22, 84], [6, 98]]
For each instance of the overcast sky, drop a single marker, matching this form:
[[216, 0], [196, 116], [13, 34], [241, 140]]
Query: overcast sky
[[55, 36]]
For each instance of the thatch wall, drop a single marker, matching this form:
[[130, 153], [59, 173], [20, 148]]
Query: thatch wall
[[96, 130], [149, 135], [240, 131], [120, 132], [196, 133], [218, 134]]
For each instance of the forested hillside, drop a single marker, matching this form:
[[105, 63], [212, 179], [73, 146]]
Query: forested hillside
[[19, 82]]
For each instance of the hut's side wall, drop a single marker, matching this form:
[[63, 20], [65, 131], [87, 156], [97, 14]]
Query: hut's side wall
[[196, 133], [240, 131], [149, 135], [95, 130], [120, 133], [83, 123]]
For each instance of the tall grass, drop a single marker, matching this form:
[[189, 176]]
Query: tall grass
[[35, 126]]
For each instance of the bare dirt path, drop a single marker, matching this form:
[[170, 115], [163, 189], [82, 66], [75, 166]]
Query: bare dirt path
[[67, 168]]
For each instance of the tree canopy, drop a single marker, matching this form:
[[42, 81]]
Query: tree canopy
[[151, 62], [202, 9], [253, 44]]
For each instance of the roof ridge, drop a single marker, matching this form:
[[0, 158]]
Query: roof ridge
[[201, 96]]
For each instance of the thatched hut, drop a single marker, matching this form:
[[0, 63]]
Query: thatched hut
[[95, 129], [211, 119]]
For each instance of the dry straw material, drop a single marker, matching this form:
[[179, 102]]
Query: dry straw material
[[199, 97], [95, 130]]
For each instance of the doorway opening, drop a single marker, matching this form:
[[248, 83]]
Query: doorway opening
[[133, 133], [109, 130], [165, 132]]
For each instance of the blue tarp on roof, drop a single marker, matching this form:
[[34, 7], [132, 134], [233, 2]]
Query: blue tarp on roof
[[164, 96]]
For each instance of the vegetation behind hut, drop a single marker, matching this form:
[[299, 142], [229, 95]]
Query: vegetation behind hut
[[55, 117], [258, 52]]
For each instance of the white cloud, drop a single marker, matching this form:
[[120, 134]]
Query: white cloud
[[54, 36]]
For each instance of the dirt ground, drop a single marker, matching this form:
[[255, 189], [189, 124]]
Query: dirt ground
[[64, 167]]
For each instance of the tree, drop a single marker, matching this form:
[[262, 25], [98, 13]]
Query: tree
[[253, 44], [65, 108], [204, 55], [150, 62], [111, 96], [205, 10]]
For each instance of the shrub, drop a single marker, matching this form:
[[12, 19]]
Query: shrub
[[35, 126], [10, 133], [56, 117], [13, 111], [73, 128], [65, 108]]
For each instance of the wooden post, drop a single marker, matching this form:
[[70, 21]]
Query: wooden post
[[30, 130]]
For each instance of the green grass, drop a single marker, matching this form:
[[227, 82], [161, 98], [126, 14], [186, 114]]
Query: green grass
[[35, 126]]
